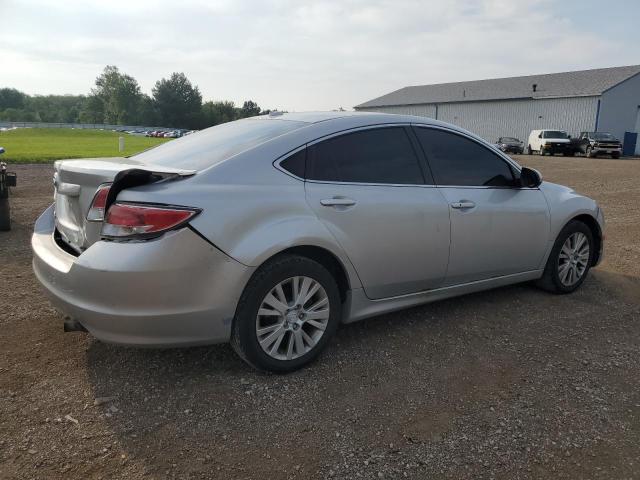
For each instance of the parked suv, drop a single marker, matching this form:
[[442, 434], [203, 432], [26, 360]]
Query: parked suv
[[510, 145], [593, 144], [550, 142]]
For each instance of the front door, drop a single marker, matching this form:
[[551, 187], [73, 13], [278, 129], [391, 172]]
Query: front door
[[369, 189], [497, 228]]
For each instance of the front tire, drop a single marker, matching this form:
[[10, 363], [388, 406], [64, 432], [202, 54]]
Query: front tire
[[286, 315], [589, 153], [570, 259]]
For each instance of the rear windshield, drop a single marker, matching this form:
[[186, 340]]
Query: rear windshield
[[211, 146], [554, 134]]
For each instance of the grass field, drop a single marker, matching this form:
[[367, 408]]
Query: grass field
[[43, 145]]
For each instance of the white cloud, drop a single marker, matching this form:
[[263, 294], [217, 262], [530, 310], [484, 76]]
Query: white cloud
[[297, 55]]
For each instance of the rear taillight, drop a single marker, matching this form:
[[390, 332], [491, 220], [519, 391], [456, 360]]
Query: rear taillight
[[96, 211], [128, 220]]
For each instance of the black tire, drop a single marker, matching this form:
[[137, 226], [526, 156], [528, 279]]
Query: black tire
[[541, 152], [589, 153], [550, 280], [615, 155], [529, 151], [5, 215], [244, 338]]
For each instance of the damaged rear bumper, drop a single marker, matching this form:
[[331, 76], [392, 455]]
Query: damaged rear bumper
[[175, 290]]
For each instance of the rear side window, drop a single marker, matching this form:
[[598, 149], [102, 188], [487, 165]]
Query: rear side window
[[379, 155], [295, 164], [456, 160]]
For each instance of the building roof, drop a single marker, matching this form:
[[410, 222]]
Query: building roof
[[582, 83]]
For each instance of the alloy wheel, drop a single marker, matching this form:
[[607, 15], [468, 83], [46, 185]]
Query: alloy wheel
[[573, 259], [292, 318]]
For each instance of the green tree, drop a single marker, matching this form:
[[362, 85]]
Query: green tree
[[178, 102], [11, 98], [249, 109], [147, 114], [17, 115], [56, 108], [120, 95], [214, 113], [92, 110]]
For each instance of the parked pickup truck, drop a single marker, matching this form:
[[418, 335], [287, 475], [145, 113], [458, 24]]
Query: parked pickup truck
[[592, 144]]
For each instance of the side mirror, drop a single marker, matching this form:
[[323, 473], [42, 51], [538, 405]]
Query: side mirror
[[530, 178], [569, 136], [539, 135], [1, 150]]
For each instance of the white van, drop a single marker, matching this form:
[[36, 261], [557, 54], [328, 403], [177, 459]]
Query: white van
[[549, 142]]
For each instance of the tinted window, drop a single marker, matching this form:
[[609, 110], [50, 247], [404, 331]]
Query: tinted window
[[213, 145], [295, 164], [603, 136], [554, 134], [380, 155], [456, 160]]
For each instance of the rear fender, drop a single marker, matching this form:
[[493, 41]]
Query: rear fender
[[268, 239]]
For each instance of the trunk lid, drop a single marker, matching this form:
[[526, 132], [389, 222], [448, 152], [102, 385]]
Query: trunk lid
[[76, 183]]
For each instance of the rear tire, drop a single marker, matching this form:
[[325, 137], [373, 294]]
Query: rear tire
[[615, 155], [564, 257], [289, 333], [5, 215]]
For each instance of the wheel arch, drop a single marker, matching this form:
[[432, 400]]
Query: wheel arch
[[596, 232], [324, 257]]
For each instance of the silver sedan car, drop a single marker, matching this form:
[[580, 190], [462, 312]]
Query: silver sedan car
[[269, 232]]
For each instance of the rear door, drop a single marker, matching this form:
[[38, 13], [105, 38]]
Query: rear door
[[497, 227], [371, 191]]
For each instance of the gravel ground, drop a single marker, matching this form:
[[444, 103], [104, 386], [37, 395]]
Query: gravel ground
[[510, 383]]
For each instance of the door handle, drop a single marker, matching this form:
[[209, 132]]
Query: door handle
[[463, 204], [337, 202]]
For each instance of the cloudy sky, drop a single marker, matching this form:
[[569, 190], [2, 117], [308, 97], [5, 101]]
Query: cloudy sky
[[307, 55]]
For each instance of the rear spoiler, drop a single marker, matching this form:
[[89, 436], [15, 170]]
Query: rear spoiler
[[135, 177]]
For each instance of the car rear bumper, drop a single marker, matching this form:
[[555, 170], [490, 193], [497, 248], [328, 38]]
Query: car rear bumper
[[176, 290]]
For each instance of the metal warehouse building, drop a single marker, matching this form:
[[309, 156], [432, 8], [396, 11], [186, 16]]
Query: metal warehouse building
[[605, 99]]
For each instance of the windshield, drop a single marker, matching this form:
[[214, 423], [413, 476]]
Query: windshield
[[213, 145], [509, 140], [603, 136], [554, 134]]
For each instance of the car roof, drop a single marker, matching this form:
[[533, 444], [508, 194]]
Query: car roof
[[359, 117]]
